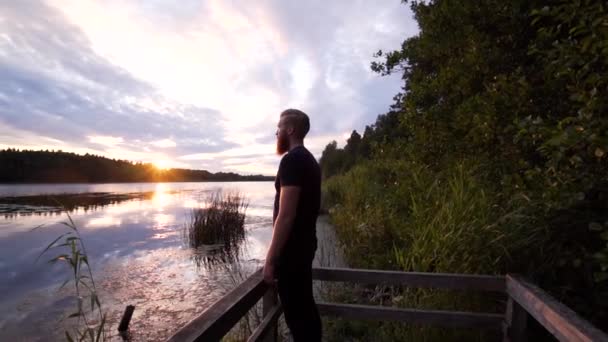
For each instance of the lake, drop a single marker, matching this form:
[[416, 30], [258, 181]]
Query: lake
[[134, 238]]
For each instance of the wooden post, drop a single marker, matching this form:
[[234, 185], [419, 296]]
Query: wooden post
[[516, 322], [268, 303]]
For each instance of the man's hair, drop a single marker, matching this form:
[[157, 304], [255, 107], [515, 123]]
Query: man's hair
[[298, 120]]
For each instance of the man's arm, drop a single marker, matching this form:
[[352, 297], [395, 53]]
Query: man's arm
[[288, 204]]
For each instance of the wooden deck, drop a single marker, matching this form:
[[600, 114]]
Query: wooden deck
[[524, 301]]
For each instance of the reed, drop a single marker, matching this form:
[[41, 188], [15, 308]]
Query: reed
[[216, 230], [89, 315], [403, 215]]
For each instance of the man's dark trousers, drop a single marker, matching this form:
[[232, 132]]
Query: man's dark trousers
[[294, 283]]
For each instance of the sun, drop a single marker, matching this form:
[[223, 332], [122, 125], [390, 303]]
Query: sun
[[161, 164]]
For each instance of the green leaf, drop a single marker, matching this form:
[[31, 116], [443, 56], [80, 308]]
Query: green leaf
[[64, 283], [59, 257], [66, 224], [101, 327], [596, 227], [600, 276], [97, 302], [50, 245], [93, 296], [71, 221], [38, 227], [75, 314], [600, 256]]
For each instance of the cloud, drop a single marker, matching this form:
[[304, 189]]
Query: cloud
[[105, 140], [200, 83], [164, 143], [56, 86]]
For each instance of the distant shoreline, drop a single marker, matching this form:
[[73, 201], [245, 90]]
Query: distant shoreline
[[57, 167], [269, 179]]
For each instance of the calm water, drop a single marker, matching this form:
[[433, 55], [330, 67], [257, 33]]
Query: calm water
[[137, 252]]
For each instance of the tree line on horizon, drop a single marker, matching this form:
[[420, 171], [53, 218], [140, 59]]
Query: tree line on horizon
[[29, 166]]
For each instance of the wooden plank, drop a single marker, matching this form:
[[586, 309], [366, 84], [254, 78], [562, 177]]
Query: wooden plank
[[217, 320], [558, 319], [270, 301], [451, 319], [516, 322], [268, 323], [412, 279]]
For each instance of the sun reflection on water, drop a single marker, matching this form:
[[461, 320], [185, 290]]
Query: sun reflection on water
[[161, 196], [163, 220], [104, 221], [144, 262]]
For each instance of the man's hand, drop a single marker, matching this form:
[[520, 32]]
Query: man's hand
[[269, 276]]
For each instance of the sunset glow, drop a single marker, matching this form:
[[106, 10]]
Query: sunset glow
[[191, 84]]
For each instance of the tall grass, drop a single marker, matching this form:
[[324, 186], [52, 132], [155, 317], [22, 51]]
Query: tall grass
[[216, 232], [217, 229], [401, 215], [91, 320]]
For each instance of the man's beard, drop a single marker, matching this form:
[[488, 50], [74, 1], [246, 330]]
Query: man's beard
[[282, 145]]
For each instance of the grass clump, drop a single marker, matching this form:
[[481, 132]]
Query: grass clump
[[216, 230], [401, 215]]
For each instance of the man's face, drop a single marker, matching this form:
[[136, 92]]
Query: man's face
[[282, 137]]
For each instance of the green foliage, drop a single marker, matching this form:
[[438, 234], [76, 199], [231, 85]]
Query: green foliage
[[601, 257], [572, 47], [497, 156], [435, 222], [91, 321], [396, 214], [359, 148]]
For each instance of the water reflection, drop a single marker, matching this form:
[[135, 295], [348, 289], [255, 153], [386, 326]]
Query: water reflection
[[161, 196], [212, 256], [139, 256], [53, 205], [162, 220], [104, 221], [216, 230]]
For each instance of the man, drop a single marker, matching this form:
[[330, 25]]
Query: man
[[294, 242]]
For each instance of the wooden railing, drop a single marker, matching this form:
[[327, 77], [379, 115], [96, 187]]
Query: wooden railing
[[524, 300]]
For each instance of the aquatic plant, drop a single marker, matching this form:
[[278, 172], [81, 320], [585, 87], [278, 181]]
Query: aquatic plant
[[216, 230], [91, 319]]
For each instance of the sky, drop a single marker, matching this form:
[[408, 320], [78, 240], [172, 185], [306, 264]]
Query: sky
[[194, 84]]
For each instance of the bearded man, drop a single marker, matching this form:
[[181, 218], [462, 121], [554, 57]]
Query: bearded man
[[294, 242]]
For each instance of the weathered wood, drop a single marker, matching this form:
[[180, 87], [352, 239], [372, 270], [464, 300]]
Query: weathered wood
[[217, 320], [126, 318], [269, 303], [524, 299], [516, 322], [559, 320], [452, 319], [412, 279], [268, 324]]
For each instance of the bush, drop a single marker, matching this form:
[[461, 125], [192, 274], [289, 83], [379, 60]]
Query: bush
[[401, 215]]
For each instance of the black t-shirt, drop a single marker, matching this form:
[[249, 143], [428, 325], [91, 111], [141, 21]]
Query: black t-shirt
[[300, 168]]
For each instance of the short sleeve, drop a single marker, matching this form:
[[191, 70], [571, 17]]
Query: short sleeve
[[290, 171]]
